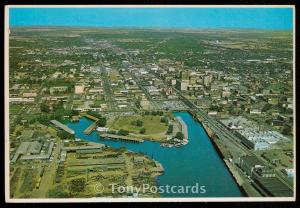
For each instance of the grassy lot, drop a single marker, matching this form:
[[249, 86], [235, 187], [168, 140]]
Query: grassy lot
[[113, 76], [14, 181], [29, 181], [14, 109], [285, 161], [152, 124]]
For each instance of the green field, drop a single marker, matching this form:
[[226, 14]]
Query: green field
[[15, 109], [152, 125], [284, 160]]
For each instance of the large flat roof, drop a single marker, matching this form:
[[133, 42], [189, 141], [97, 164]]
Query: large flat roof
[[275, 187]]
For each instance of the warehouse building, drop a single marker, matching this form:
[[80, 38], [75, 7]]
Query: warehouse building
[[264, 178]]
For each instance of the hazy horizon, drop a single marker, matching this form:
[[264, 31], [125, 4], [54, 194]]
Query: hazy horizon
[[147, 28]]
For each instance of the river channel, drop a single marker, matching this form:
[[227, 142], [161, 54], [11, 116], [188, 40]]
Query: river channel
[[196, 162]]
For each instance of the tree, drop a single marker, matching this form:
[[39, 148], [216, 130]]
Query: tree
[[102, 121], [65, 135], [32, 120], [59, 105], [143, 131], [77, 185], [122, 149], [112, 132], [287, 130], [170, 129], [59, 113], [266, 107], [179, 135], [289, 111], [139, 123], [44, 108], [164, 120], [123, 132], [154, 113], [68, 112], [58, 192], [95, 114], [75, 113], [43, 119], [243, 107]]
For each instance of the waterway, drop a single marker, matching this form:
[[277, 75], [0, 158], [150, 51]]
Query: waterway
[[196, 162]]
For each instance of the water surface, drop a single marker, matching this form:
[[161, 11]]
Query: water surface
[[196, 162]]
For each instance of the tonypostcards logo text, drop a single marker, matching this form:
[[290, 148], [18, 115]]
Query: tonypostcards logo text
[[146, 188]]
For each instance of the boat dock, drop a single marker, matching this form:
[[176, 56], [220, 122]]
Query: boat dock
[[93, 126], [62, 126], [122, 138], [90, 117], [89, 129]]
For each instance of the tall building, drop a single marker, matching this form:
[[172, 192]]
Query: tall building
[[182, 84]]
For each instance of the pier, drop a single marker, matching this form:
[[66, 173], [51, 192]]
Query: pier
[[89, 129], [122, 138], [90, 117], [62, 126], [93, 126], [183, 127]]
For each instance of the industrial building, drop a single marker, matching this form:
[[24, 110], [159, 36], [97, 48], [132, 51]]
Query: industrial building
[[82, 149], [251, 135], [32, 151], [264, 178]]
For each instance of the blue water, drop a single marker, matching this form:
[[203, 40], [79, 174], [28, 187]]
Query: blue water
[[196, 162]]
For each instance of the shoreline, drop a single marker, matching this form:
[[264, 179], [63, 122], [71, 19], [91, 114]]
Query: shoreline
[[210, 135], [184, 129]]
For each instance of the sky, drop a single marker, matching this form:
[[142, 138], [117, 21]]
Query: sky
[[201, 18]]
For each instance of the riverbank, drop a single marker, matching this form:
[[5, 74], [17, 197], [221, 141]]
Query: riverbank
[[226, 157], [184, 128]]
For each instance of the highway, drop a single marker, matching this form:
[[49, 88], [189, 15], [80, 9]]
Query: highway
[[107, 89]]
